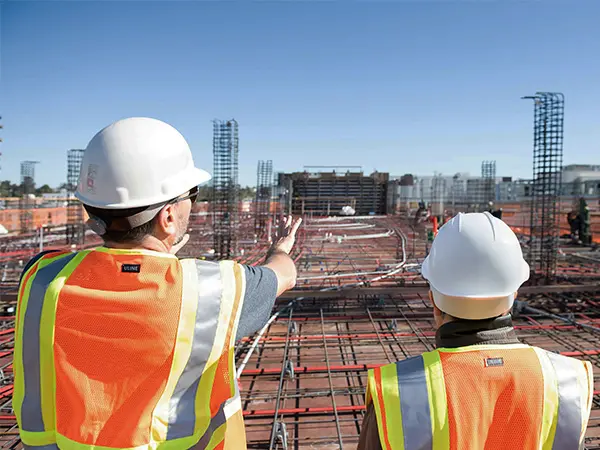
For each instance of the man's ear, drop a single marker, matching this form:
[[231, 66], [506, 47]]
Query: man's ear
[[165, 220], [430, 295], [436, 310]]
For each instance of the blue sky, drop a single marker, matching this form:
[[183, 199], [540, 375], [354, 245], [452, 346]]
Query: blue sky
[[398, 86]]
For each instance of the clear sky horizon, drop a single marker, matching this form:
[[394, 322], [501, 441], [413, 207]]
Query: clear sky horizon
[[397, 86]]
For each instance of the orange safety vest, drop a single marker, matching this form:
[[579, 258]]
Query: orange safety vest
[[128, 349], [489, 397]]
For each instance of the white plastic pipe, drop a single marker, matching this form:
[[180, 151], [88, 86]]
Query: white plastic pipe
[[260, 334]]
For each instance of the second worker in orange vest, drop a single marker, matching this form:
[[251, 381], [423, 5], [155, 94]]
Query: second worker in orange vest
[[126, 346], [481, 389]]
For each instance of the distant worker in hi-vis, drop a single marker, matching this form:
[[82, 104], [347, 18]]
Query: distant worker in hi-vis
[[480, 389], [126, 346]]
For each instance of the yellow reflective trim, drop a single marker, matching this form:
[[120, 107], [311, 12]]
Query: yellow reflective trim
[[238, 301], [217, 437], [19, 383], [372, 388], [391, 400], [183, 347], [65, 443], [587, 395], [472, 348], [19, 380], [550, 405], [133, 251], [240, 280], [438, 405], [48, 317], [38, 438], [202, 405]]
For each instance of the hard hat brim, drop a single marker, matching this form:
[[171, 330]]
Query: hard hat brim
[[194, 177], [525, 274]]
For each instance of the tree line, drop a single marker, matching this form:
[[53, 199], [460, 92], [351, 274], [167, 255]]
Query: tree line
[[246, 193], [8, 189]]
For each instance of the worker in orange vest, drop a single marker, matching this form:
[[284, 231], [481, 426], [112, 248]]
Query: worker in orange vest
[[481, 388], [126, 346]]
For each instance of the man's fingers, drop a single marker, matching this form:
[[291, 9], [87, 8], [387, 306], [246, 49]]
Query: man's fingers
[[296, 225]]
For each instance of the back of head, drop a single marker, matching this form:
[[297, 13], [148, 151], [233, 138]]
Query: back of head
[[131, 169], [475, 266]]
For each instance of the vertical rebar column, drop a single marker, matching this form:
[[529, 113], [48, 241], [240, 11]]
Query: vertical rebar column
[[545, 186], [264, 187], [225, 188], [26, 203], [75, 226], [488, 180]]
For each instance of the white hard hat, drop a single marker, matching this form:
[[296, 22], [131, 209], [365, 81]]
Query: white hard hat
[[136, 162], [475, 266]]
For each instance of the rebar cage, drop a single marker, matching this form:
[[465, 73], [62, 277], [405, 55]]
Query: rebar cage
[[546, 182], [75, 226], [225, 188], [26, 203], [264, 189]]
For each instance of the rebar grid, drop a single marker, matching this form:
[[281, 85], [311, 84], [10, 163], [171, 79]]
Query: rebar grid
[[309, 371], [488, 177]]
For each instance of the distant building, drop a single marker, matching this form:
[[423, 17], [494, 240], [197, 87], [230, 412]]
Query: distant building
[[326, 193], [581, 180]]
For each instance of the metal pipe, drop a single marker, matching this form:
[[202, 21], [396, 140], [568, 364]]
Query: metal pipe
[[398, 268], [337, 420], [281, 380], [522, 306], [313, 410], [365, 367]]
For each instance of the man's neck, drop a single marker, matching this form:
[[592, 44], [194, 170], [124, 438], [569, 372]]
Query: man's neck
[[148, 243], [462, 333]]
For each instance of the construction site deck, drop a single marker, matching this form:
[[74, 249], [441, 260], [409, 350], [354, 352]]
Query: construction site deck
[[360, 302]]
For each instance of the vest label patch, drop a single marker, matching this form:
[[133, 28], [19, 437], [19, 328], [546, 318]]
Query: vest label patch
[[131, 268], [494, 362]]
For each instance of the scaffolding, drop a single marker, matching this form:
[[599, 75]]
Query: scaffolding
[[546, 182], [27, 202], [488, 177], [264, 191], [225, 188], [75, 226]]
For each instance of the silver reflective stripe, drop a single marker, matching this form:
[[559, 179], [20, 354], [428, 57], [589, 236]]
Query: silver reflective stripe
[[182, 416], [31, 409], [218, 420], [414, 404], [568, 427], [41, 447]]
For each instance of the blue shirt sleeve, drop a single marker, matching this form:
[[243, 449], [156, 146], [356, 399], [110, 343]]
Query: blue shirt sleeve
[[261, 292]]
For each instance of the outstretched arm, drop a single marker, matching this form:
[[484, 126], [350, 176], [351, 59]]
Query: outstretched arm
[[278, 257]]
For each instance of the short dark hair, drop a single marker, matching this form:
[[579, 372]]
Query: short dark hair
[[133, 235]]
